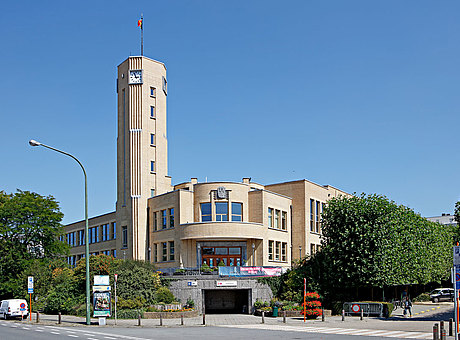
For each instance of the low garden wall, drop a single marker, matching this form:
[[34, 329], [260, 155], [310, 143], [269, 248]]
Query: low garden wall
[[170, 315]]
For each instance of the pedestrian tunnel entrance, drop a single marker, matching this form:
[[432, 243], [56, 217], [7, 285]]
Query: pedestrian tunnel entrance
[[226, 301]]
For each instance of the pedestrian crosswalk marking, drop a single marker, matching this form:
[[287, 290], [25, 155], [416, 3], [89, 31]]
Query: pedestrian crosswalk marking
[[343, 331]]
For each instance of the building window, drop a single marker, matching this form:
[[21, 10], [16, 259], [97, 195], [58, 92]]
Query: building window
[[105, 232], [96, 233], [152, 166], [164, 256], [312, 249], [165, 86], [171, 218], [114, 224], [221, 211], [270, 250], [124, 237], [318, 212], [152, 192], [237, 212], [155, 221], [152, 139], [206, 212], [155, 252], [114, 253], [284, 220], [152, 112], [277, 250], [153, 92], [163, 219], [284, 252], [277, 219], [270, 217], [312, 216], [81, 237], [171, 250]]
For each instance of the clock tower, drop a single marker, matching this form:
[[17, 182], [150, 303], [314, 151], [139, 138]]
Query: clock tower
[[142, 150]]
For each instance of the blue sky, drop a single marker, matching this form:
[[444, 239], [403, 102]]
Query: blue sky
[[361, 95]]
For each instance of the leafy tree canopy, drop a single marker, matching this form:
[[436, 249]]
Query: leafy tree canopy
[[457, 212]]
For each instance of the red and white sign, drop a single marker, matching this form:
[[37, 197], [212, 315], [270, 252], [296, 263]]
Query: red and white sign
[[355, 308]]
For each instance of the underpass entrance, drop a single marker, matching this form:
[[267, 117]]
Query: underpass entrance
[[226, 301]]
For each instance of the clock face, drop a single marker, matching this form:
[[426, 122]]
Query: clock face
[[135, 76]]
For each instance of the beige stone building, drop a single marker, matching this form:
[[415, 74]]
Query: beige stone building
[[192, 224]]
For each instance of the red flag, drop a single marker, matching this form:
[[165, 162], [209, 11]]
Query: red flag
[[139, 23]]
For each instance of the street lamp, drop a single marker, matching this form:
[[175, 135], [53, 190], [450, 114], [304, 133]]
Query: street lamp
[[35, 143], [253, 254], [300, 253]]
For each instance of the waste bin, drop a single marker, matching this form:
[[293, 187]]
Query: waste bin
[[275, 311]]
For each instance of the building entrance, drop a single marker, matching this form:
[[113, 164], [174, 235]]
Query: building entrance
[[213, 256], [226, 301]]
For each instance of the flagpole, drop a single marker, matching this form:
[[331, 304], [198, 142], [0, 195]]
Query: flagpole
[[142, 34]]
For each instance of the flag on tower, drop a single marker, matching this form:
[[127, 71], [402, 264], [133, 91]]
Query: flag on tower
[[139, 23]]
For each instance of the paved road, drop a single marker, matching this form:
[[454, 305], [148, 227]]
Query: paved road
[[235, 327]]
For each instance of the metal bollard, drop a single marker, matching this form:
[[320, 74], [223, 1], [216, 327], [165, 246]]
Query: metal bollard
[[322, 314], [443, 335], [451, 328], [161, 319], [343, 314], [59, 318], [204, 319], [435, 332], [361, 316], [441, 327], [284, 316], [182, 319], [139, 319], [263, 317], [37, 316]]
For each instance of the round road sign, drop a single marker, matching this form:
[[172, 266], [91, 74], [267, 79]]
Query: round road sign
[[355, 308], [22, 306]]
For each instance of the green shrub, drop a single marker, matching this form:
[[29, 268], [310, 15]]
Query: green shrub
[[129, 313], [163, 294], [422, 297], [190, 303], [258, 304]]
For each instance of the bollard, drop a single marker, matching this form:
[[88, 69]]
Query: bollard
[[322, 314], [284, 316], [139, 318], [343, 314], [361, 316], [59, 318], [182, 319], [441, 328], [263, 317], [443, 334], [204, 319], [161, 319], [38, 316], [435, 332], [451, 328]]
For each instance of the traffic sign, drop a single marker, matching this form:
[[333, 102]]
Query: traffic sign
[[30, 284], [22, 306], [355, 308]]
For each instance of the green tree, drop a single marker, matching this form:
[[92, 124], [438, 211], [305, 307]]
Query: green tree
[[30, 226], [457, 212]]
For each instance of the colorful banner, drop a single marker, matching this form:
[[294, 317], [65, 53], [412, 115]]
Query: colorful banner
[[250, 271]]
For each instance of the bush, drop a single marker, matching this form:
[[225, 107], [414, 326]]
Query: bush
[[258, 304], [134, 303], [163, 294], [190, 303], [422, 297], [129, 313]]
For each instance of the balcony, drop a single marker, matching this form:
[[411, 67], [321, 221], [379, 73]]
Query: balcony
[[222, 230]]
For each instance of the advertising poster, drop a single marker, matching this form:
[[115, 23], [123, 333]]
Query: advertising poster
[[101, 304]]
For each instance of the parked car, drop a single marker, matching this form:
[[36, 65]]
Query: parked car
[[442, 294], [14, 308]]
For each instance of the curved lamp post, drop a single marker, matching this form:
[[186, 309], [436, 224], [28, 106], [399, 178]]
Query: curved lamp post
[[35, 143]]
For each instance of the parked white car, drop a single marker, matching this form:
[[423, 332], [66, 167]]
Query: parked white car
[[442, 294], [14, 308]]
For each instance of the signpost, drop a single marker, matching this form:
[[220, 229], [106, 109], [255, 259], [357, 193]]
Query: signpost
[[456, 282], [30, 290], [115, 305], [304, 300]]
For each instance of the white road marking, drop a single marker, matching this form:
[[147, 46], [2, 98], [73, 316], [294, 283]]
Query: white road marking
[[55, 333], [73, 336]]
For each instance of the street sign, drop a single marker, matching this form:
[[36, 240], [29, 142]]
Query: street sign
[[22, 306], [30, 284], [456, 256], [192, 283], [356, 308]]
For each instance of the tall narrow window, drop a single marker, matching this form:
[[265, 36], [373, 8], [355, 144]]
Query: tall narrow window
[[171, 250], [97, 234], [114, 231], [155, 252], [152, 139], [152, 112], [163, 219], [164, 256], [152, 192], [165, 86], [153, 92], [237, 212], [284, 252], [171, 218], [318, 212], [221, 211], [312, 215], [277, 219], [270, 217], [155, 221], [206, 212], [270, 250], [284, 220], [277, 250], [124, 237], [152, 166]]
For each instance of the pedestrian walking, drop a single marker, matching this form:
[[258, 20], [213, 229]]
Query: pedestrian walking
[[407, 305]]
